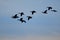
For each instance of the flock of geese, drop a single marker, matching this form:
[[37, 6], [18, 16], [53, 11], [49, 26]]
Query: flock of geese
[[32, 12]]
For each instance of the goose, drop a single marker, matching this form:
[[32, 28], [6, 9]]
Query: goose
[[15, 16], [29, 17], [21, 19], [21, 13], [49, 8], [45, 12], [33, 12], [54, 10]]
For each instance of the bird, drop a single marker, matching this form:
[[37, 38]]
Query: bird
[[29, 17], [49, 8], [21, 19], [45, 12], [33, 12], [15, 16], [21, 13], [54, 10]]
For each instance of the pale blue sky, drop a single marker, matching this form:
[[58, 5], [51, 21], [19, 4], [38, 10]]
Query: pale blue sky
[[40, 24]]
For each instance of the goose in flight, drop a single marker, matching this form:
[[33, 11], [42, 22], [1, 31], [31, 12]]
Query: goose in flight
[[45, 12], [49, 8], [33, 12], [21, 19], [29, 17], [21, 13], [54, 10], [15, 16]]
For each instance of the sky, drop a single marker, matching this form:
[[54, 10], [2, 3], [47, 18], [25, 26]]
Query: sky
[[40, 24]]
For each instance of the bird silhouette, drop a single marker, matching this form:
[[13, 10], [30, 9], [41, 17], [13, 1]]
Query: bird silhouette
[[54, 10], [29, 17], [45, 12], [21, 19], [49, 8], [15, 16], [33, 12], [21, 13]]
